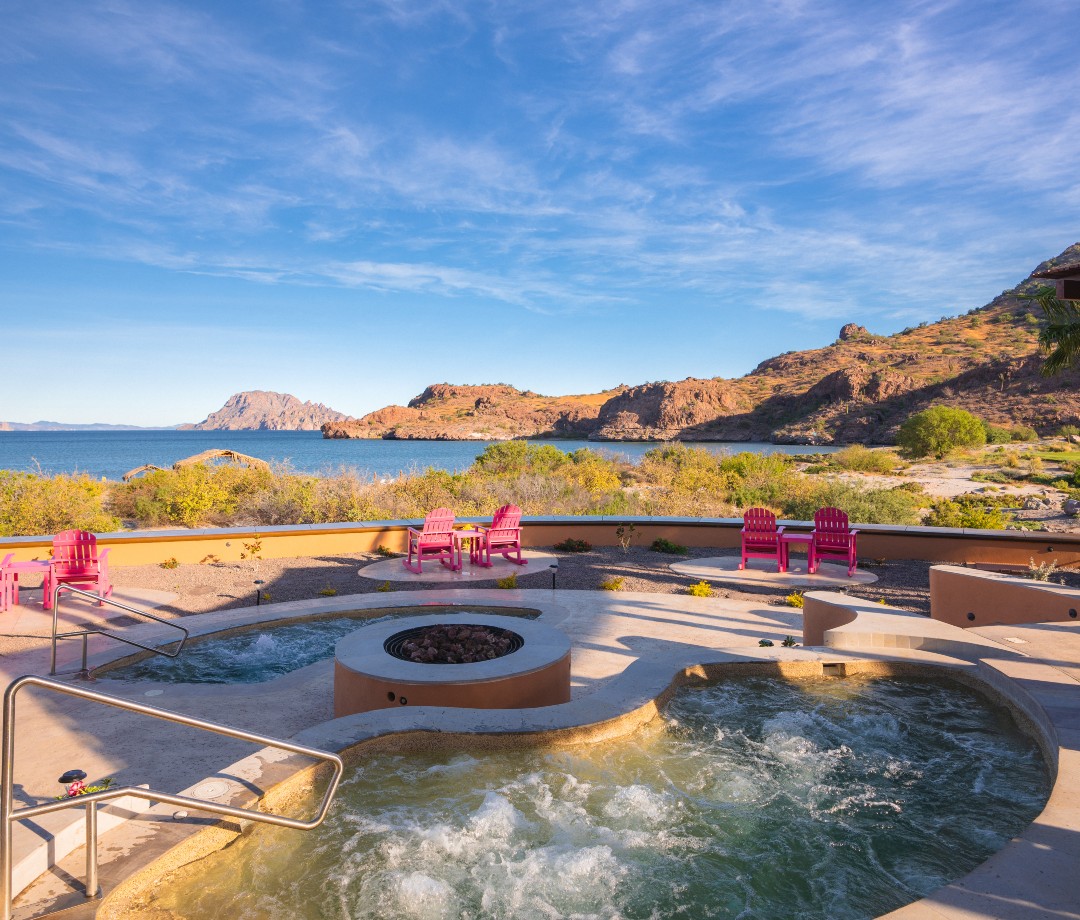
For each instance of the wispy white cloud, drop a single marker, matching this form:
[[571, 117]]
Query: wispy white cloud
[[562, 159]]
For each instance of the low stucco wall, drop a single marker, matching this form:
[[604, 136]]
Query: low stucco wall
[[876, 541], [968, 597]]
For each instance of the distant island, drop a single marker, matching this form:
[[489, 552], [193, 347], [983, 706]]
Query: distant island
[[264, 410], [857, 390]]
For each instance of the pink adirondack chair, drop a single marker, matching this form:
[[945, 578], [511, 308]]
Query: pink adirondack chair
[[503, 538], [832, 538], [77, 562], [761, 537], [7, 584], [435, 541]]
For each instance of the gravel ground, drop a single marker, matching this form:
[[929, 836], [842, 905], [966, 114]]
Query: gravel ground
[[221, 586]]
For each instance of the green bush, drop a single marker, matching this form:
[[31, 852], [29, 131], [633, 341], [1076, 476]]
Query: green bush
[[980, 476], [938, 431], [995, 434], [570, 545], [663, 545], [967, 511], [860, 459]]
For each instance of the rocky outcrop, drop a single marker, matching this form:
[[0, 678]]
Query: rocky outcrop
[[488, 412], [663, 411], [859, 383], [263, 410]]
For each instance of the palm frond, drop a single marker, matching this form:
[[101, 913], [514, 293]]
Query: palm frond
[[1059, 337]]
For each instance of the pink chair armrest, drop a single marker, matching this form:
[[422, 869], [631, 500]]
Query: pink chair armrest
[[779, 530], [853, 531], [481, 528], [103, 563], [414, 532]]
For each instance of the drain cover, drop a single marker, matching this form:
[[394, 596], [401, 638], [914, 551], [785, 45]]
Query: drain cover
[[210, 790]]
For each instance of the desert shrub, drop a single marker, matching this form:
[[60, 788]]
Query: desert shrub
[[663, 545], [794, 599], [687, 471], [328, 592], [701, 589], [507, 583], [170, 563], [981, 476], [1068, 431], [760, 479], [1041, 571], [570, 545], [860, 459], [37, 505], [967, 511], [938, 431], [385, 587], [1023, 433], [995, 434], [385, 551], [614, 583], [789, 641], [898, 505]]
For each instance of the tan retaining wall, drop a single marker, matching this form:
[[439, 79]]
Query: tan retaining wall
[[968, 597], [876, 541]]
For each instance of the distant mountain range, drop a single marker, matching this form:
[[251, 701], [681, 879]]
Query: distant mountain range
[[857, 390], [62, 426]]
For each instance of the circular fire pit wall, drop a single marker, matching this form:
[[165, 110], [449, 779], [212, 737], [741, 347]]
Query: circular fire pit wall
[[371, 670]]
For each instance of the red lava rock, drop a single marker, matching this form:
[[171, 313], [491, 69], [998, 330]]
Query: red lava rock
[[456, 645]]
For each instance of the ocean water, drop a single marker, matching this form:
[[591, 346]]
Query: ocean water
[[110, 454]]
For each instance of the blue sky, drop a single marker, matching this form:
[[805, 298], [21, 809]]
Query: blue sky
[[350, 200]]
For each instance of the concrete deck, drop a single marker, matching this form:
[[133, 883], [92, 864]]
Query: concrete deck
[[394, 570], [627, 648], [761, 573]]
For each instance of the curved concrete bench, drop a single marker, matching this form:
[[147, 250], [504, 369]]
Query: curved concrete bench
[[839, 621]]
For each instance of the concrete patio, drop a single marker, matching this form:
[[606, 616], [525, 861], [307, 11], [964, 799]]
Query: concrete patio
[[626, 650]]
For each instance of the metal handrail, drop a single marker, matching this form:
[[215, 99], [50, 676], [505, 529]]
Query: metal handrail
[[85, 633], [9, 815]]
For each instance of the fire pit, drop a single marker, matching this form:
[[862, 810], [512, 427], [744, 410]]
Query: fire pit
[[484, 662], [463, 643]]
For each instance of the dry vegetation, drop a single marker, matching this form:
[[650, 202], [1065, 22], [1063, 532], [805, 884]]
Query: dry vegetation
[[873, 486]]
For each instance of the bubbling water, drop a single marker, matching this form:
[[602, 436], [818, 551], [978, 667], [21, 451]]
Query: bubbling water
[[756, 798], [254, 655]]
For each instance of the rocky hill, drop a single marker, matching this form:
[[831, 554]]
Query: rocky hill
[[489, 412], [858, 389], [267, 411]]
